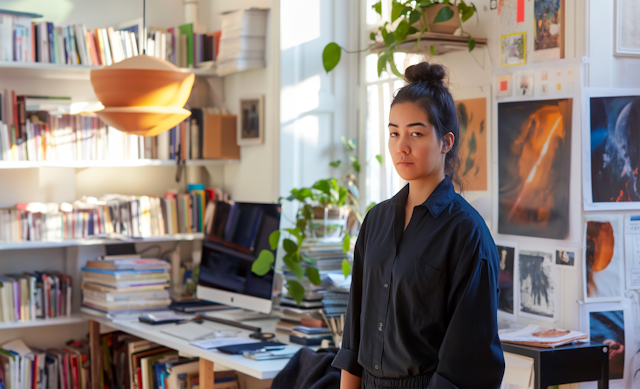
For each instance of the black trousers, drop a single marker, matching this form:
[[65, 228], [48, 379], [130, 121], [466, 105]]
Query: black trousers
[[415, 382]]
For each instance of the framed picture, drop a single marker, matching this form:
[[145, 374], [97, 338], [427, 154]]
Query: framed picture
[[251, 121], [627, 38], [603, 258], [513, 49], [610, 157], [539, 293], [504, 85], [508, 281], [548, 40]]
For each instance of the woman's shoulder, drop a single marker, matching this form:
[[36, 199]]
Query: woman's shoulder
[[472, 224]]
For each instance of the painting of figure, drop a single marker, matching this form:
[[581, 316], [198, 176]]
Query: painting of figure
[[506, 280], [534, 165], [604, 258], [608, 328], [537, 285], [548, 30], [472, 118]]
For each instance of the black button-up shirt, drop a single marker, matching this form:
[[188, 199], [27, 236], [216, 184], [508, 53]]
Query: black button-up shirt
[[424, 300]]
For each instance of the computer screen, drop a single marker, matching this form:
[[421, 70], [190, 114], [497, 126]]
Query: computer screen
[[234, 236]]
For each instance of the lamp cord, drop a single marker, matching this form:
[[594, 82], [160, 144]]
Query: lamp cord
[[144, 27]]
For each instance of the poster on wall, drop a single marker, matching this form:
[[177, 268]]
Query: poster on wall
[[548, 41], [508, 280], [513, 49], [611, 149], [538, 285], [603, 258], [632, 250], [627, 38], [611, 324], [472, 119], [534, 165]]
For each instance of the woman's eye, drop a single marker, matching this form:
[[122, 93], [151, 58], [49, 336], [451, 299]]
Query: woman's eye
[[393, 134], [416, 134]]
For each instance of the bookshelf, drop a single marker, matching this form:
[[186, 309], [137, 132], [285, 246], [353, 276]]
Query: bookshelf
[[28, 245], [51, 71], [81, 164], [54, 321]]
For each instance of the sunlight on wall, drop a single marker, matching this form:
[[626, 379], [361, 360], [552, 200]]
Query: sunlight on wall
[[303, 22], [307, 129], [291, 103]]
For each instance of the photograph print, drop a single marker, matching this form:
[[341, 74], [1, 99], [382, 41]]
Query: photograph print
[[513, 49], [507, 281], [604, 258], [534, 165], [472, 118], [251, 121], [538, 285], [565, 258], [548, 31], [614, 146]]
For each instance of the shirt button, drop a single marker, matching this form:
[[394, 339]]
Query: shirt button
[[380, 327], [377, 367], [386, 285]]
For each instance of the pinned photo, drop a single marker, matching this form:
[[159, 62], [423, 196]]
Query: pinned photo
[[524, 83], [565, 258], [504, 85]]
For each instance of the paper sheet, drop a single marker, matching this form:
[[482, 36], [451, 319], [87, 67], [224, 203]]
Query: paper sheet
[[221, 342], [632, 250]]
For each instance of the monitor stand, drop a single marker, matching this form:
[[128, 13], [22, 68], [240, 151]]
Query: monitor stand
[[234, 317]]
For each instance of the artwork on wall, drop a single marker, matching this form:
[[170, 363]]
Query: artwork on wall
[[627, 38], [548, 41], [611, 324], [603, 258], [524, 83], [508, 280], [504, 85], [251, 121], [611, 155], [534, 164], [513, 49], [632, 250], [566, 258], [472, 119], [538, 285]]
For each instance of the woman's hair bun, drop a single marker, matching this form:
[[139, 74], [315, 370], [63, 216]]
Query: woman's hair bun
[[425, 72]]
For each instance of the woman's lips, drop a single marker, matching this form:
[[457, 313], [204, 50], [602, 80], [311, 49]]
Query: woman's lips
[[405, 163]]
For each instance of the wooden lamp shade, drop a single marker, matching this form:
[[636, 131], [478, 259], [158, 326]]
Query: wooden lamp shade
[[142, 95]]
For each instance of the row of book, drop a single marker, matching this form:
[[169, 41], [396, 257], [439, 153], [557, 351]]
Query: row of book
[[24, 367], [242, 43], [112, 217], [125, 285], [36, 295], [22, 40]]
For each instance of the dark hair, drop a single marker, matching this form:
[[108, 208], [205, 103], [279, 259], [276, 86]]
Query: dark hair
[[426, 88]]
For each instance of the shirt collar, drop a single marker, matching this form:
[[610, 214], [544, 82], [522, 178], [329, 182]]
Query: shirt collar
[[438, 200]]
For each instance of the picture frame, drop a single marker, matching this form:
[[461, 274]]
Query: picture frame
[[627, 42], [513, 49], [603, 258], [250, 121], [508, 272]]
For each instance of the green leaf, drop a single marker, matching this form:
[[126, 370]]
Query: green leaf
[[382, 64], [274, 238], [394, 69], [355, 163], [346, 243], [334, 183], [351, 144], [396, 10], [313, 275], [402, 30], [323, 186], [472, 44], [346, 268], [412, 30], [373, 204], [310, 260], [335, 163], [414, 16], [289, 246], [301, 224], [331, 56], [262, 264], [466, 15], [294, 265], [379, 158], [294, 231], [372, 36], [445, 13], [432, 50], [389, 39], [296, 291], [378, 7], [304, 193]]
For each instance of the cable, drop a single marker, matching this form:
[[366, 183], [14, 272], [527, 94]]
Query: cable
[[155, 246]]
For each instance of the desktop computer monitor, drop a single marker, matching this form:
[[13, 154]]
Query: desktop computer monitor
[[234, 236]]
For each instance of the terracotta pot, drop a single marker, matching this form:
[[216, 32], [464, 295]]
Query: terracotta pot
[[145, 121], [448, 27], [141, 87], [334, 213]]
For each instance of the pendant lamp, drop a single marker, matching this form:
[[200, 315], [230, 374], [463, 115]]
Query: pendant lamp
[[142, 95]]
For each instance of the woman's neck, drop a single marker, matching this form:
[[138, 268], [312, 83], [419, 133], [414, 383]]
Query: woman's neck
[[420, 189]]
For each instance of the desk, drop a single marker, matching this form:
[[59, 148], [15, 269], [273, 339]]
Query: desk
[[259, 369], [566, 364]]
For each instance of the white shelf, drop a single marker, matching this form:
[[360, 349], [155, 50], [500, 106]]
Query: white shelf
[[54, 321], [111, 163], [66, 72], [94, 242]]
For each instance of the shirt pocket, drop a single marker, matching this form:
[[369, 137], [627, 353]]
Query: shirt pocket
[[426, 273]]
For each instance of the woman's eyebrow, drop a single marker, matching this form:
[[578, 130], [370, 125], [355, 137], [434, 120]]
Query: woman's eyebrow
[[409, 125]]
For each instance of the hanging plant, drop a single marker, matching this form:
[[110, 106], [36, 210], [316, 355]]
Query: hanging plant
[[407, 18]]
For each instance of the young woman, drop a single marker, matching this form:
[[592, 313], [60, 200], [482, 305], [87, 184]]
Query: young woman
[[423, 303]]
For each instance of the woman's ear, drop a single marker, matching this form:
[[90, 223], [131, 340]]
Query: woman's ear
[[447, 145]]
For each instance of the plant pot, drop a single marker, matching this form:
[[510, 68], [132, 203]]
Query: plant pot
[[448, 27], [332, 213], [329, 222]]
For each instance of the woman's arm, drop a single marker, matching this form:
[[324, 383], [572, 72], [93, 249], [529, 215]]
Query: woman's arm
[[349, 381]]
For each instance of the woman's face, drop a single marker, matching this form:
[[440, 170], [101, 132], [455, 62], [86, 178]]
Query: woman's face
[[416, 150]]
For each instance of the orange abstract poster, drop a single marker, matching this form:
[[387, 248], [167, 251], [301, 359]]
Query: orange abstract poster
[[472, 118]]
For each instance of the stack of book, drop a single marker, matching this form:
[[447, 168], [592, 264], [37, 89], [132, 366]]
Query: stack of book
[[22, 366], [118, 285], [242, 41], [182, 46], [335, 303], [309, 336], [37, 295], [115, 216], [291, 317]]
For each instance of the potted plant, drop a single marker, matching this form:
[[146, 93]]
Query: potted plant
[[409, 18]]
